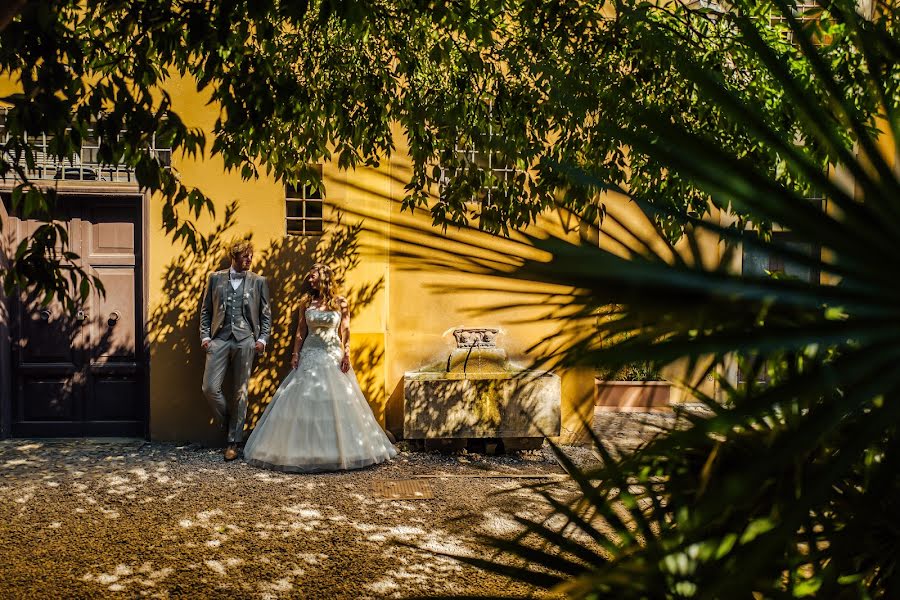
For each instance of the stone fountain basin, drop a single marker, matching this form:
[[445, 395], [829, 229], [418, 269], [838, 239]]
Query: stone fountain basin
[[521, 407]]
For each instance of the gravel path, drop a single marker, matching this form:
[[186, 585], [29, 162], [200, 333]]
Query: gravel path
[[88, 519]]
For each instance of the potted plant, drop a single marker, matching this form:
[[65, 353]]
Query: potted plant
[[635, 387]]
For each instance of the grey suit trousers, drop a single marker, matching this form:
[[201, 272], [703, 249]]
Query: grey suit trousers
[[221, 355]]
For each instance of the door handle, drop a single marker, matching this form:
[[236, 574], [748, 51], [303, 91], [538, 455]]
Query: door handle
[[45, 315], [80, 315], [114, 317]]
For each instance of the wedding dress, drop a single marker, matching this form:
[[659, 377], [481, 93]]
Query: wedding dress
[[318, 419]]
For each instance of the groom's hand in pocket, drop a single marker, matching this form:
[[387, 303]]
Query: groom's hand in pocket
[[260, 348]]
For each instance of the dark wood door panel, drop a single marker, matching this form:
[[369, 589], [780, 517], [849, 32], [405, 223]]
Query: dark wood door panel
[[113, 428], [112, 329], [44, 429], [49, 399], [27, 227], [114, 398], [47, 334], [84, 374], [112, 233]]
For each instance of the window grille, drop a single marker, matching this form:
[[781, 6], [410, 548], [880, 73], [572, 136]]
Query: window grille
[[303, 208], [756, 262], [487, 159], [803, 11]]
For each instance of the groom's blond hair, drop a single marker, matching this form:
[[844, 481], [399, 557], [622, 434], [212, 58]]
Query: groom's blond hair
[[239, 247]]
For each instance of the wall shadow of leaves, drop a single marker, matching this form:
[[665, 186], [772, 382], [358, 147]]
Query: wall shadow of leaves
[[174, 321]]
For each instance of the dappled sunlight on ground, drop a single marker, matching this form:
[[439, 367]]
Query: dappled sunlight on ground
[[84, 519]]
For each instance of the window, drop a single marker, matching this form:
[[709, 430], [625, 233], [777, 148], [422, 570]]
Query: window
[[500, 170], [488, 161], [756, 262], [303, 206], [804, 12]]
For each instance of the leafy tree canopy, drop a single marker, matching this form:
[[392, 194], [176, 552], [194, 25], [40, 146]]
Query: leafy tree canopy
[[540, 88]]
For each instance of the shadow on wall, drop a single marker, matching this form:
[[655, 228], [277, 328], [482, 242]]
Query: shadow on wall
[[284, 264], [179, 410], [479, 279]]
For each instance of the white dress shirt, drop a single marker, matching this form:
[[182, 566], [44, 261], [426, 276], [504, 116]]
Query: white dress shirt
[[235, 278]]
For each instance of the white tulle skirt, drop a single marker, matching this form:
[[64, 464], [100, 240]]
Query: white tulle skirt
[[318, 420]]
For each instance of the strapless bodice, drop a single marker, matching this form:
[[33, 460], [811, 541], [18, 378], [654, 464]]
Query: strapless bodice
[[323, 332]]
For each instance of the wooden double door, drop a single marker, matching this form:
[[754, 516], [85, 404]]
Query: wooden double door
[[83, 372]]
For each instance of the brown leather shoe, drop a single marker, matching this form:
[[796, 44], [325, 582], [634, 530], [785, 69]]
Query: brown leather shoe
[[231, 452]]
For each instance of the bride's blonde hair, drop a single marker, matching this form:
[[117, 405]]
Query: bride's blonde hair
[[327, 292]]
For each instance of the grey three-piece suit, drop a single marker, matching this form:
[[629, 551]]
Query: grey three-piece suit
[[234, 319]]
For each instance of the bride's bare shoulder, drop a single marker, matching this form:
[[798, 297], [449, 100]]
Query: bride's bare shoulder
[[343, 303]]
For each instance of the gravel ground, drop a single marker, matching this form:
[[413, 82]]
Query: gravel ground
[[89, 519], [624, 432]]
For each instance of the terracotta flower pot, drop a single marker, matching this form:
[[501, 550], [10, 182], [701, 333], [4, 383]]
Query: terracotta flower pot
[[635, 396]]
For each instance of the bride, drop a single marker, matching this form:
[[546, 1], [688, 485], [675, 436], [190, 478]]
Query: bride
[[318, 419]]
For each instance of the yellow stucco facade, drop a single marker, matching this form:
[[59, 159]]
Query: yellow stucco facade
[[401, 307], [400, 311]]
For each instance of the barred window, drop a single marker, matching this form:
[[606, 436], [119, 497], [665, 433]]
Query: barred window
[[499, 168], [758, 263], [303, 207], [489, 161], [804, 12]]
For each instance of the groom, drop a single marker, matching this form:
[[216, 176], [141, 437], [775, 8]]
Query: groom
[[235, 323]]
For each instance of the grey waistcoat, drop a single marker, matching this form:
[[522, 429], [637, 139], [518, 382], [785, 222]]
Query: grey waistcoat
[[235, 322]]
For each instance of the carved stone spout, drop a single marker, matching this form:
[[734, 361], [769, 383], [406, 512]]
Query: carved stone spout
[[476, 351], [476, 337]]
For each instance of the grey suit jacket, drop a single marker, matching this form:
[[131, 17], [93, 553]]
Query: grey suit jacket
[[256, 305]]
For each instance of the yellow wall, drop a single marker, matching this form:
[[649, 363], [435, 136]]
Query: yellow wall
[[426, 301], [176, 279], [399, 315], [401, 307]]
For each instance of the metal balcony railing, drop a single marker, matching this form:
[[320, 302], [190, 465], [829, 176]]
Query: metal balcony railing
[[83, 165]]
